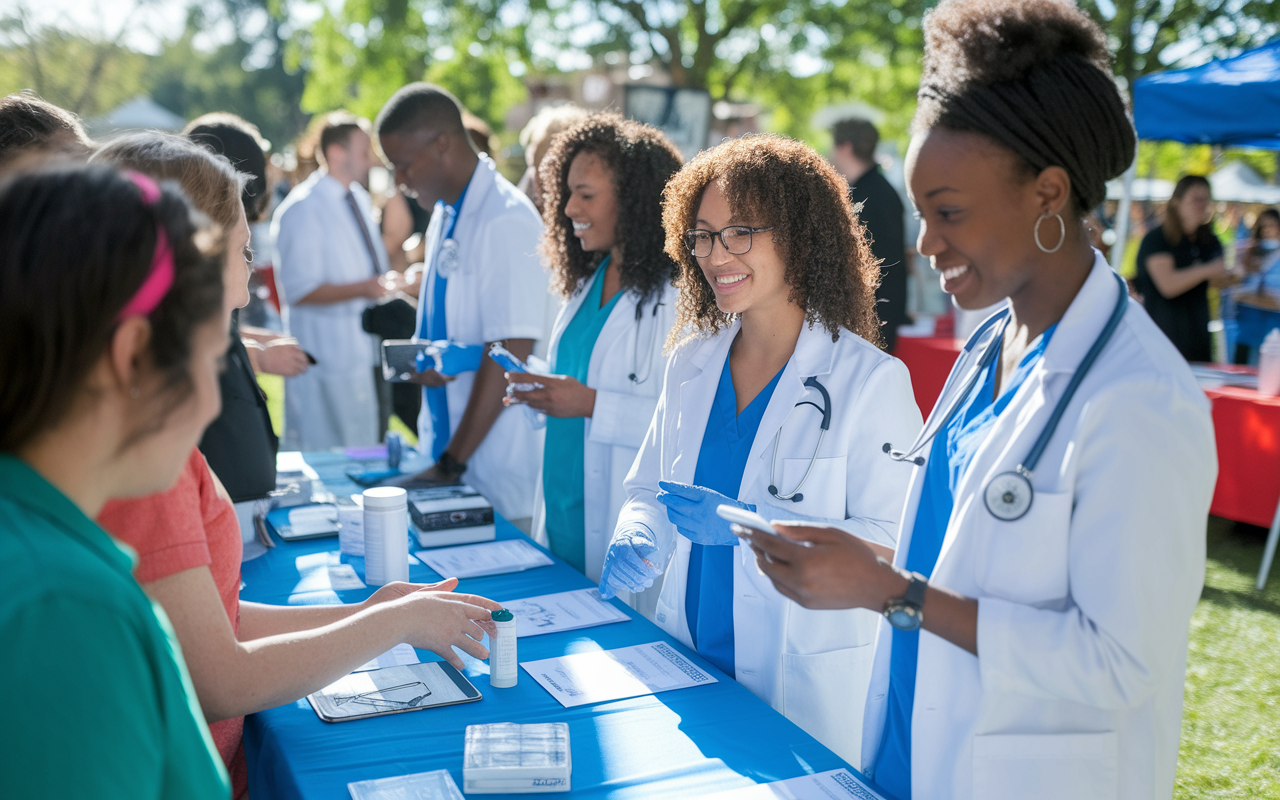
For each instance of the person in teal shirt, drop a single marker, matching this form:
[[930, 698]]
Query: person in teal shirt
[[115, 328], [603, 180]]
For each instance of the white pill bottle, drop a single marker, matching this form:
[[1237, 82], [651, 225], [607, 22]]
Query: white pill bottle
[[503, 668], [386, 535]]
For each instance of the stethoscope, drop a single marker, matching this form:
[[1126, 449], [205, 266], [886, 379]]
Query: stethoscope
[[1008, 495], [794, 495], [635, 348]]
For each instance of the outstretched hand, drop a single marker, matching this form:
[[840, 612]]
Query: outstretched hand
[[441, 621]]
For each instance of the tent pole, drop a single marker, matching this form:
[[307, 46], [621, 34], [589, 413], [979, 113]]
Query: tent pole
[[1122, 215]]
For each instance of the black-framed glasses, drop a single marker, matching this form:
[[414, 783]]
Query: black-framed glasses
[[735, 238]]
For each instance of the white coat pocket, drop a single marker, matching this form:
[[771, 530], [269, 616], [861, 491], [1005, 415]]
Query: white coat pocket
[[1067, 766], [1025, 560], [824, 694], [823, 490]]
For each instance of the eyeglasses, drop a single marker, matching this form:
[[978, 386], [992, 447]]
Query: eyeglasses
[[735, 238]]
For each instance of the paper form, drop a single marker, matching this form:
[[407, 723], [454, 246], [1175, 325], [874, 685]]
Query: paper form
[[488, 558], [562, 611], [837, 784], [605, 675]]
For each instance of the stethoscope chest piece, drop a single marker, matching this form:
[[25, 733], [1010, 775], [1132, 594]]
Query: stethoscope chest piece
[[1008, 496]]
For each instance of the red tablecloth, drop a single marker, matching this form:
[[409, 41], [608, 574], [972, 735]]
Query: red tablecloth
[[1246, 425]]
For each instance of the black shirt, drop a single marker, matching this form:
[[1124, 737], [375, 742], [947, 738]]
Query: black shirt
[[882, 214], [240, 445], [1185, 318]]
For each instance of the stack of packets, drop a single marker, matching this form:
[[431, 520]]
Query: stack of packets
[[435, 785], [509, 758]]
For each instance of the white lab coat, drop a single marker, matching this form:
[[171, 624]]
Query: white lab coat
[[1084, 603], [318, 242], [627, 346], [812, 666], [497, 291]]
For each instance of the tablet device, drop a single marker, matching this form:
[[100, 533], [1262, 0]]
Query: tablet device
[[393, 690]]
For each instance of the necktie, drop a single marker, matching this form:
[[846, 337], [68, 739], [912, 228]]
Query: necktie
[[364, 231]]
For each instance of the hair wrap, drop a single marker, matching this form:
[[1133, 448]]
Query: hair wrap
[[160, 277], [1028, 76]]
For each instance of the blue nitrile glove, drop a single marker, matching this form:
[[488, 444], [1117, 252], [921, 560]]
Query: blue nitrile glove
[[456, 357], [631, 564], [692, 509]]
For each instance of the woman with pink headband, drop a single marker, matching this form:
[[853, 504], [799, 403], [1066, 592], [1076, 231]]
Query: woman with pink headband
[[113, 325]]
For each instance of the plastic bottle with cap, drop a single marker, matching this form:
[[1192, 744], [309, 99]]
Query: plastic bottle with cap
[[1269, 364], [386, 535], [503, 669]]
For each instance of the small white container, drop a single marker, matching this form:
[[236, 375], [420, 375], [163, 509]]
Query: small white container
[[386, 535], [1269, 364], [503, 669]]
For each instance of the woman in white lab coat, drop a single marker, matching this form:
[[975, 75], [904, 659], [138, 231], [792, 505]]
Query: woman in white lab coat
[[1037, 604], [603, 241], [776, 398]]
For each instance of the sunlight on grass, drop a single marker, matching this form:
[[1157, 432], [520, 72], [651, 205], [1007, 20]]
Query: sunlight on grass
[[1231, 720]]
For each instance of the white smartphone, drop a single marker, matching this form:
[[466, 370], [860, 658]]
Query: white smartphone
[[745, 518]]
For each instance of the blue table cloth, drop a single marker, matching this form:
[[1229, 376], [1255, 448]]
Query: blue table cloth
[[683, 743]]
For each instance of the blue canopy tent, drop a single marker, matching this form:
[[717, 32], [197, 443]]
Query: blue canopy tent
[[1234, 101]]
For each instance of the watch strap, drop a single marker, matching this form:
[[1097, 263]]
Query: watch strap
[[916, 589]]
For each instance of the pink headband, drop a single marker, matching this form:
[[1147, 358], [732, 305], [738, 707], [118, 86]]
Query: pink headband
[[160, 276]]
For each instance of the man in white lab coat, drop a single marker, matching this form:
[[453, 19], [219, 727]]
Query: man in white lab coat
[[331, 264], [483, 284]]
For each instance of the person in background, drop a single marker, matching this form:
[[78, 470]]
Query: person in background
[[881, 213], [483, 284], [106, 396], [31, 127], [1258, 296], [481, 134], [603, 242], [240, 444], [246, 657], [1036, 607], [776, 397], [536, 139], [1177, 262], [330, 264]]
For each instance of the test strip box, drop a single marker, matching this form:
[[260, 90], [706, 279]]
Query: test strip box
[[507, 757]]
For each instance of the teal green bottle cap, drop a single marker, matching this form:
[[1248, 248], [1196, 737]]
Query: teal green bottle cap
[[502, 615]]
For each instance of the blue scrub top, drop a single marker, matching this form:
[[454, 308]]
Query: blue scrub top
[[953, 448], [726, 443], [434, 328], [563, 471]]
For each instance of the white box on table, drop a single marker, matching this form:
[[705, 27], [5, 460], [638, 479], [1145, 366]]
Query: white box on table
[[507, 757]]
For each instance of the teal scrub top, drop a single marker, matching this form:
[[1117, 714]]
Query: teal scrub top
[[98, 702], [952, 450], [563, 471]]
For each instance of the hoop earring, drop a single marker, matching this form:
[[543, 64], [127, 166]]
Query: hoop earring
[[1062, 232]]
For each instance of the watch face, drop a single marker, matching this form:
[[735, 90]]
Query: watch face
[[903, 617]]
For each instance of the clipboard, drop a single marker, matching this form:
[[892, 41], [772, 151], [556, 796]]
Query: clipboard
[[393, 690]]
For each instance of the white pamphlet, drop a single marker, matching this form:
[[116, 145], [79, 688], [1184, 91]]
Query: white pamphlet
[[562, 611], [489, 558], [604, 675], [319, 572], [837, 784], [437, 785], [397, 656]]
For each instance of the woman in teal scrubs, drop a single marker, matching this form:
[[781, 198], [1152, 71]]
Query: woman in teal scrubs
[[114, 328], [603, 181]]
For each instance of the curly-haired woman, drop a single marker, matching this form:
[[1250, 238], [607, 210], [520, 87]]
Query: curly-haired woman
[[1052, 546], [776, 398], [603, 181]]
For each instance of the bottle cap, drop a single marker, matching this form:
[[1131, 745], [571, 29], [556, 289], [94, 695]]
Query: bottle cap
[[502, 615], [385, 498]]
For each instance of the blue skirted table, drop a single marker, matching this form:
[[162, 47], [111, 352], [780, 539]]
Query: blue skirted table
[[682, 743]]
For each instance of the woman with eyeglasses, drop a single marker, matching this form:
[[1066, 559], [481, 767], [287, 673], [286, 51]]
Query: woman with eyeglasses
[[777, 400]]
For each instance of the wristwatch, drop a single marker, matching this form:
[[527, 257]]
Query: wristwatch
[[450, 466], [906, 613]]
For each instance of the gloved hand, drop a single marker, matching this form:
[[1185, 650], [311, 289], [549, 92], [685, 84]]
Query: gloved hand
[[692, 509], [629, 564], [451, 358]]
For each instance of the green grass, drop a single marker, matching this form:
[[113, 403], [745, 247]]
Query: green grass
[[1231, 718]]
